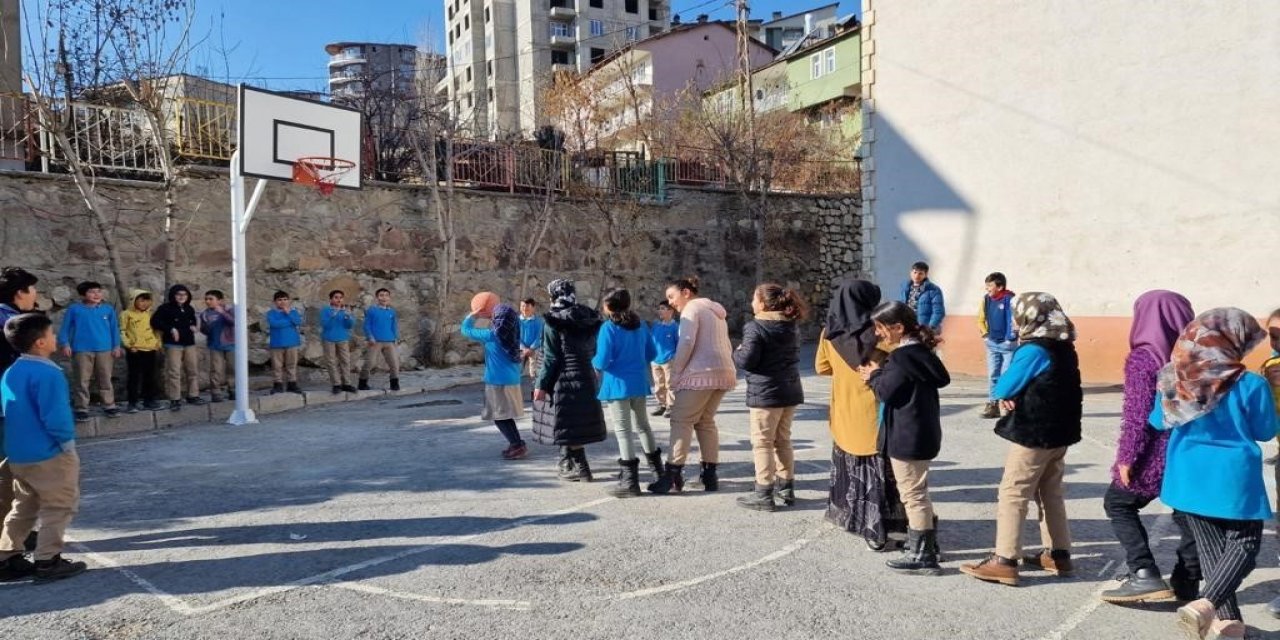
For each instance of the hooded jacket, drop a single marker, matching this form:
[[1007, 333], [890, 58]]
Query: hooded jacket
[[571, 415], [908, 384], [770, 354], [135, 326], [172, 316], [704, 356]]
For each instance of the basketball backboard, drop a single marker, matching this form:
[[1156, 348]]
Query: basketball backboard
[[277, 129]]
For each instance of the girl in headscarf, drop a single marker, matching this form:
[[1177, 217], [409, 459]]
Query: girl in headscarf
[[1217, 413], [863, 498], [1158, 319], [503, 402], [566, 412], [1041, 391]]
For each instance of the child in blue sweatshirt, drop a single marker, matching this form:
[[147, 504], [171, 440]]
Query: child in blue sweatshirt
[[503, 401], [285, 326], [40, 444], [382, 331], [90, 336], [531, 326], [336, 322], [666, 336], [218, 324], [623, 354]]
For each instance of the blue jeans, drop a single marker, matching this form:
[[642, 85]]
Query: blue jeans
[[999, 354]]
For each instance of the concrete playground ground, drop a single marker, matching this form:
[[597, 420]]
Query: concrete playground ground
[[396, 518]]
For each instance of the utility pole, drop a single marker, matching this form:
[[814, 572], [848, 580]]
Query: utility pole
[[752, 175]]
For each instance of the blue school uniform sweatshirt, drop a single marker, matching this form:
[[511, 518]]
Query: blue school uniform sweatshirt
[[37, 413], [531, 332], [666, 337], [499, 368], [1213, 464], [623, 356], [90, 328], [380, 324], [1029, 361], [283, 328], [336, 324]]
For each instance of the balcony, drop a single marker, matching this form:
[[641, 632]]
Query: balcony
[[563, 67], [343, 59], [563, 13], [563, 35]]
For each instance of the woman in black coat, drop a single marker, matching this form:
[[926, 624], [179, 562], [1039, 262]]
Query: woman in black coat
[[566, 412]]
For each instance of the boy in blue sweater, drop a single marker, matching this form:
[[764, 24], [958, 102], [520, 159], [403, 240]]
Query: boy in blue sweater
[[90, 336], [40, 444], [336, 322], [665, 335], [284, 324], [218, 324], [381, 330], [530, 336], [995, 320]]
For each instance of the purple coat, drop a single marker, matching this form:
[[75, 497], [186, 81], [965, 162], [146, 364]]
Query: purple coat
[[1140, 446]]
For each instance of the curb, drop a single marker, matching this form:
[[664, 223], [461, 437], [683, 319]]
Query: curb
[[99, 426]]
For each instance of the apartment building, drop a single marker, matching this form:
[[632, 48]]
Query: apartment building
[[502, 53], [357, 69], [782, 32]]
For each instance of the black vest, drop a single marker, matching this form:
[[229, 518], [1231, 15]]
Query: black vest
[[1048, 411]]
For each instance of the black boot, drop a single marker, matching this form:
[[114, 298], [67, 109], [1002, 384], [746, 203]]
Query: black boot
[[710, 481], [920, 555], [628, 479], [786, 492], [1186, 587], [580, 469], [566, 467], [57, 568], [16, 567], [671, 482], [655, 463], [277, 387], [1139, 586], [363, 385], [294, 388], [759, 500], [395, 384]]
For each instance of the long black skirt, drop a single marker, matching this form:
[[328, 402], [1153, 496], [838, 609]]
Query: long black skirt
[[864, 498]]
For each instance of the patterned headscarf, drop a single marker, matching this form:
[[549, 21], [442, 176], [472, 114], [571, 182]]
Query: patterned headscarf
[[1206, 361], [506, 326], [563, 293], [1040, 317], [1158, 319]]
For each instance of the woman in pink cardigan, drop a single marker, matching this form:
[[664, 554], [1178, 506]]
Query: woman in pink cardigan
[[702, 372]]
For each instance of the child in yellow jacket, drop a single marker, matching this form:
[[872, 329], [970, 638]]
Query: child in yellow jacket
[[142, 350]]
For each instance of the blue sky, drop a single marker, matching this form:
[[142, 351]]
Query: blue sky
[[279, 44]]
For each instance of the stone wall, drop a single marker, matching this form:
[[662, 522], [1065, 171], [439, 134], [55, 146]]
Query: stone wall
[[385, 236]]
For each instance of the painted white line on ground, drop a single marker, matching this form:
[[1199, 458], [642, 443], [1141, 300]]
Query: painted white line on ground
[[513, 605], [98, 441], [173, 602], [178, 605], [693, 582], [1159, 531]]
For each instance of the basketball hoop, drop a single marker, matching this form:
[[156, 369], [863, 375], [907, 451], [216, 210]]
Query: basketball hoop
[[321, 172]]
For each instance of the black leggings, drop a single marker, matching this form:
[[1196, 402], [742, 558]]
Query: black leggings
[[509, 431]]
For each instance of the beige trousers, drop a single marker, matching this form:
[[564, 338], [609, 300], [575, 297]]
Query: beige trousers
[[694, 412], [388, 352], [179, 361], [1032, 474], [46, 491], [913, 487], [337, 359], [6, 486], [89, 365], [662, 384], [219, 363], [284, 365], [771, 444]]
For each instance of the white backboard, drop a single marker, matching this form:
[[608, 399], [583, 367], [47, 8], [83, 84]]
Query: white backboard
[[276, 129]]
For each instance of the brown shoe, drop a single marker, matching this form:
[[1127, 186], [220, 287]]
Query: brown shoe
[[1057, 562], [993, 569], [991, 411]]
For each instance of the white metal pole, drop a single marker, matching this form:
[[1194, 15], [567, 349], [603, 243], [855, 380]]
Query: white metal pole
[[240, 295]]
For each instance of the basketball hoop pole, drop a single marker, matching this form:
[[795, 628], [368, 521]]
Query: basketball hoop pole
[[240, 217]]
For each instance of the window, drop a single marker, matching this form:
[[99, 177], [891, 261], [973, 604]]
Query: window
[[561, 29], [560, 57], [491, 94], [653, 11], [597, 28], [640, 74], [633, 6], [815, 66], [468, 73], [598, 4], [486, 15], [489, 67], [466, 21], [831, 60], [596, 55], [633, 34]]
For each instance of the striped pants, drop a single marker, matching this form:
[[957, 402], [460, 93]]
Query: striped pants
[[1228, 553]]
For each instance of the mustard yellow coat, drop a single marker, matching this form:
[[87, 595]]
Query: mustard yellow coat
[[854, 415]]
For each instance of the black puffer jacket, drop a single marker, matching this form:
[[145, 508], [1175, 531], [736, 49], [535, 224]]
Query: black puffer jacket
[[571, 415], [171, 315], [770, 354], [908, 384], [1047, 413]]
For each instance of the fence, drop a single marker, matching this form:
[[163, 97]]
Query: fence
[[118, 141]]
